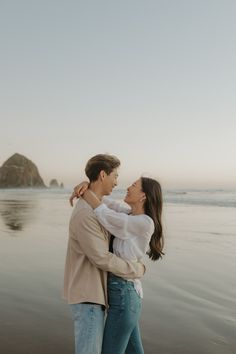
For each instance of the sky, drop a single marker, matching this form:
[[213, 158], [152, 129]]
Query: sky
[[152, 82]]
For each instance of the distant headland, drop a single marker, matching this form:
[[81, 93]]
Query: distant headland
[[19, 172]]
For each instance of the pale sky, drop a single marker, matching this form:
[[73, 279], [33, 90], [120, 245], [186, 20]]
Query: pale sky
[[153, 82]]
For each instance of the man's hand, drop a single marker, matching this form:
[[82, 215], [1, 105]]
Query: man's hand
[[78, 191]]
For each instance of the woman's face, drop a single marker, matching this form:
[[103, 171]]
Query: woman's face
[[134, 193]]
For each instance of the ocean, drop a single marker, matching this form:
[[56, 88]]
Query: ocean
[[189, 304]]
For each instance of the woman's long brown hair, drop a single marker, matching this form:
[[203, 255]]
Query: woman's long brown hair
[[153, 208]]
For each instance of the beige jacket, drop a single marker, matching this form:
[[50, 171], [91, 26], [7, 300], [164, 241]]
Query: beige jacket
[[88, 259]]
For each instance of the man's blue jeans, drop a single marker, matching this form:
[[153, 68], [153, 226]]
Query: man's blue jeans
[[88, 328], [121, 334]]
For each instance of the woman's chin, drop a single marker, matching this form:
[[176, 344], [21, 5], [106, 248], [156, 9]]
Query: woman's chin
[[126, 200]]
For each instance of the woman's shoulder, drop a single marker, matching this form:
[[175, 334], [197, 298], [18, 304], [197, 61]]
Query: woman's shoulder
[[146, 222]]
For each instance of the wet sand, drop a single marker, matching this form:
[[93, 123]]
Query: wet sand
[[189, 301]]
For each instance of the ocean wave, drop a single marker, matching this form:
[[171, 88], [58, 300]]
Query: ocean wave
[[219, 199]]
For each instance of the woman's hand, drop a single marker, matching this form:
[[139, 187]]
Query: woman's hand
[[78, 191]]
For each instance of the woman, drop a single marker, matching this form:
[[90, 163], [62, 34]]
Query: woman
[[137, 230]]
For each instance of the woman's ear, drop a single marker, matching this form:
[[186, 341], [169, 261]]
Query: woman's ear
[[143, 198]]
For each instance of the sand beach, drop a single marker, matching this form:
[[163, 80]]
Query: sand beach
[[189, 304]]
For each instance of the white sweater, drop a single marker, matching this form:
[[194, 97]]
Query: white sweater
[[133, 232]]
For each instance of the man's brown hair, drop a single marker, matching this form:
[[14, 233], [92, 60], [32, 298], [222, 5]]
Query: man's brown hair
[[100, 162]]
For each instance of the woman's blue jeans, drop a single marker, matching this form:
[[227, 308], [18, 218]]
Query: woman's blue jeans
[[121, 333]]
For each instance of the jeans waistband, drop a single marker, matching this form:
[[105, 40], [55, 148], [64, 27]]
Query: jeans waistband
[[112, 276]]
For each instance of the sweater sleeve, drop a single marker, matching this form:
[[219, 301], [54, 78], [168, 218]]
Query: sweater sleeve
[[122, 225], [116, 205]]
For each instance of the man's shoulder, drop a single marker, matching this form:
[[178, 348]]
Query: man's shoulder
[[83, 211], [82, 208], [84, 218]]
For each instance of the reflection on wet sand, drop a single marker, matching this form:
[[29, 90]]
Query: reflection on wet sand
[[189, 296], [17, 213]]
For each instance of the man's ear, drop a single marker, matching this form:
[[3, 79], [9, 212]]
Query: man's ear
[[102, 174]]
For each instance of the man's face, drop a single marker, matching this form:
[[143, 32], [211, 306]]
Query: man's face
[[109, 181]]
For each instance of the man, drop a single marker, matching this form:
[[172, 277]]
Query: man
[[88, 260]]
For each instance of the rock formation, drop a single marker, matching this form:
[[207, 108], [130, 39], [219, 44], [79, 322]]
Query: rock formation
[[53, 183], [18, 171]]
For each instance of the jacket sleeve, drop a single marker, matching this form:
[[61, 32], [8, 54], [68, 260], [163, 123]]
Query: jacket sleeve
[[94, 245]]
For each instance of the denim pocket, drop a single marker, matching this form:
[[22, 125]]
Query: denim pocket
[[134, 301], [112, 283], [116, 296]]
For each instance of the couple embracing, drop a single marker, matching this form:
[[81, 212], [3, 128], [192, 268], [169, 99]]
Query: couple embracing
[[107, 241]]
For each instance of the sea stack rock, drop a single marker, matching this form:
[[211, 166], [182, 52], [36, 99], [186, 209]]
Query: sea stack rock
[[20, 172], [53, 183]]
